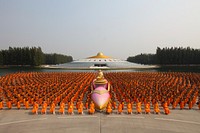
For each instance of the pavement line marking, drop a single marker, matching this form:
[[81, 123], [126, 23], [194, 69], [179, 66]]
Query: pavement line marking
[[72, 117], [117, 116], [21, 121], [183, 121]]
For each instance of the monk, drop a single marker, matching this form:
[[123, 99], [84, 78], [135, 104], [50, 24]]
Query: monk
[[114, 105], [109, 108], [35, 108], [138, 107], [120, 108], [62, 109], [91, 109], [80, 108], [18, 104], [166, 109], [1, 104], [190, 105], [52, 108], [44, 108], [27, 104], [147, 108], [156, 108], [174, 105], [9, 104], [123, 105], [86, 105], [182, 104], [129, 108], [71, 108]]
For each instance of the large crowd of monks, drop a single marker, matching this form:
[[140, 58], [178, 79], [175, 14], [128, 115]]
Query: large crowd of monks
[[69, 92]]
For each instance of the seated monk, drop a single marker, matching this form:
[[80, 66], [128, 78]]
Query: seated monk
[[109, 108], [18, 105], [182, 105], [147, 108], [86, 105], [52, 108], [35, 108], [91, 109], [114, 105], [9, 104], [1, 104], [156, 108], [80, 108], [138, 107], [44, 108], [71, 108], [190, 105], [123, 105], [129, 108], [174, 105], [27, 104], [166, 109], [120, 108], [62, 109]]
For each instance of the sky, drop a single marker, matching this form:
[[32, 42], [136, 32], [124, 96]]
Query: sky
[[82, 28]]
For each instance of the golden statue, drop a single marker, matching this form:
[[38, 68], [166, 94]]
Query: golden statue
[[100, 78]]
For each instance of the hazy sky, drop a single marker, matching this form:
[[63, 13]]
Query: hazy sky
[[118, 28]]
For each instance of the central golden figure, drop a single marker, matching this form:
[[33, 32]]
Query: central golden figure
[[100, 91]]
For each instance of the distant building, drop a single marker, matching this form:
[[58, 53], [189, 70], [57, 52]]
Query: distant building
[[99, 61]]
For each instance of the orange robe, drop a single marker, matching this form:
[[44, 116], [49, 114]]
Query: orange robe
[[92, 109], [52, 108], [35, 108], [62, 110], [120, 108], [190, 104], [27, 105], [1, 104], [129, 108], [80, 108], [182, 104], [71, 109], [147, 108], [166, 109], [18, 105], [109, 108], [156, 108], [138, 107], [9, 104], [44, 108]]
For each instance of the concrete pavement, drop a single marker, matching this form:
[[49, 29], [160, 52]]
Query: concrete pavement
[[22, 121]]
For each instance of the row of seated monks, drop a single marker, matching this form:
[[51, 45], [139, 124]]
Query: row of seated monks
[[142, 91]]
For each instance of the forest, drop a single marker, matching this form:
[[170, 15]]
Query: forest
[[169, 56], [33, 56]]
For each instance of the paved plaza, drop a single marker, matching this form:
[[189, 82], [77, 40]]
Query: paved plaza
[[23, 121]]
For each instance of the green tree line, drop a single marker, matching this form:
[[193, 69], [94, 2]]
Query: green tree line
[[169, 56], [30, 56], [57, 58]]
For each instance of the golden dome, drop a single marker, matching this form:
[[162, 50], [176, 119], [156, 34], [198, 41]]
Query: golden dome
[[100, 55]]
